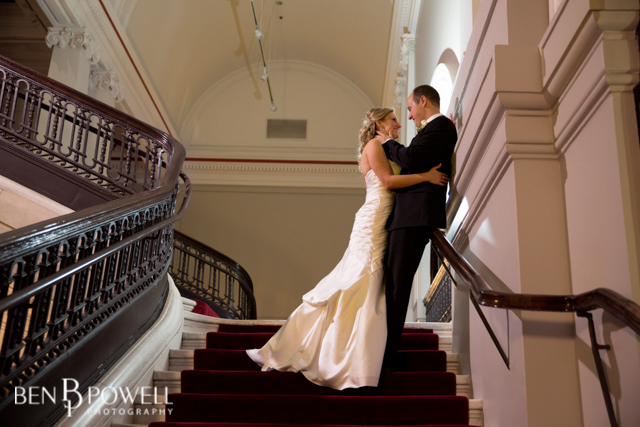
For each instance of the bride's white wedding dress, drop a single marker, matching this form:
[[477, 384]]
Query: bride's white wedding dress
[[337, 336]]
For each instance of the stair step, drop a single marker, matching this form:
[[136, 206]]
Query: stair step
[[243, 341], [199, 323], [476, 412], [180, 360], [354, 410], [172, 381], [188, 424], [146, 413], [194, 341], [274, 328], [238, 360], [167, 379], [150, 413], [274, 382]]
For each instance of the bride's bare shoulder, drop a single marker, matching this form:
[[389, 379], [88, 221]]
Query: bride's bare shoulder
[[373, 144]]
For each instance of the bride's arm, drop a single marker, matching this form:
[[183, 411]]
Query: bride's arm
[[380, 165]]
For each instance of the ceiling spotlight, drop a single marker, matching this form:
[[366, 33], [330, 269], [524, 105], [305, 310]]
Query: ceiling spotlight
[[264, 75], [273, 107], [258, 34]]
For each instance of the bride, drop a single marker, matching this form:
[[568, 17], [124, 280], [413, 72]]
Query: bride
[[336, 337]]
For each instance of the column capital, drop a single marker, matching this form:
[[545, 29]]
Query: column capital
[[622, 67], [107, 80], [64, 37]]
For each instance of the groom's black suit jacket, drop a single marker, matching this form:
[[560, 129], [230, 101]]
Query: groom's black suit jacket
[[423, 204]]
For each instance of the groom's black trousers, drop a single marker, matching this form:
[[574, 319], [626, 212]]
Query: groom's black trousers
[[404, 253]]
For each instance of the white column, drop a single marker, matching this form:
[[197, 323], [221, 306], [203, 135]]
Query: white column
[[549, 340], [74, 51], [619, 23]]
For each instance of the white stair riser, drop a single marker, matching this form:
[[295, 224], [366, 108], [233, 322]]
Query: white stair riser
[[148, 413]]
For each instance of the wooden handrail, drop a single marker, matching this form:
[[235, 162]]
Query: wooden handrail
[[625, 310], [612, 302]]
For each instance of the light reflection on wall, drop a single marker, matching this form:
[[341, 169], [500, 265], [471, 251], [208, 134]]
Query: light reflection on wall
[[441, 81], [461, 214]]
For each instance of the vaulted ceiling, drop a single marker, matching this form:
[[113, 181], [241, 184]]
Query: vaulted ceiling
[[188, 46]]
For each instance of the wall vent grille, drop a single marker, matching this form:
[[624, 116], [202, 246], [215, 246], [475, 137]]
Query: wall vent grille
[[286, 129]]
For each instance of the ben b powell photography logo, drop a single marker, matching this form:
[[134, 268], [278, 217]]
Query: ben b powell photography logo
[[36, 395]]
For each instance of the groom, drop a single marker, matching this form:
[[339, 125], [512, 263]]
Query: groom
[[419, 209]]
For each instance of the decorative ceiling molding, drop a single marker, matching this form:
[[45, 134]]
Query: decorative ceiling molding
[[124, 9], [274, 174]]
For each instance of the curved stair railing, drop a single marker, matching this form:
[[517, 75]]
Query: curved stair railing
[[480, 293], [200, 272], [78, 290]]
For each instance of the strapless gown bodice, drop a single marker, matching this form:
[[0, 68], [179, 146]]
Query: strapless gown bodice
[[336, 337]]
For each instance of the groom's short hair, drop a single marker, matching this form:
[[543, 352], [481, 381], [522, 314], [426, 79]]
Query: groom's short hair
[[428, 92]]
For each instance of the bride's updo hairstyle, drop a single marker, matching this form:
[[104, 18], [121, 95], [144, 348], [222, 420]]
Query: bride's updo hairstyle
[[368, 131]]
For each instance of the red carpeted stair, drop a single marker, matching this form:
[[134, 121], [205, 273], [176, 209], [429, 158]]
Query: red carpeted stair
[[226, 388]]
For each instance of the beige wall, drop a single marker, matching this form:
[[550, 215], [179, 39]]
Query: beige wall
[[548, 141], [21, 206], [598, 244], [287, 239]]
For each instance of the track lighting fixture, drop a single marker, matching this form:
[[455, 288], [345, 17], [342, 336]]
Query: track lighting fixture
[[260, 36]]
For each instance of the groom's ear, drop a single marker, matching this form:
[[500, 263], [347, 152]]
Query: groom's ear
[[423, 101]]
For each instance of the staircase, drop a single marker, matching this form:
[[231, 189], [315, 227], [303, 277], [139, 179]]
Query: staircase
[[212, 382]]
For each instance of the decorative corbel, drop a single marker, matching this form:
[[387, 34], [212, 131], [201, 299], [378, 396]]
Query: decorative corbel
[[64, 37], [107, 80]]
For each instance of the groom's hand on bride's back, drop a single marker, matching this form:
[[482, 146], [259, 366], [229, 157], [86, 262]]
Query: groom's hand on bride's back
[[435, 177]]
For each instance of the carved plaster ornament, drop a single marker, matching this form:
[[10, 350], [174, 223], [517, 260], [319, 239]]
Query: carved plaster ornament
[[408, 46], [107, 80], [401, 92], [64, 37]]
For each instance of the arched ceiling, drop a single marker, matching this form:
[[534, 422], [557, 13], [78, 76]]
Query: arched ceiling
[[188, 46]]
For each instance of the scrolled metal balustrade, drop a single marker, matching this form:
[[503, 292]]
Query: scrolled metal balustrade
[[201, 272], [77, 290]]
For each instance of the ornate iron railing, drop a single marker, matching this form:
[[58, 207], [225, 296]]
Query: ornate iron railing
[[622, 308], [203, 273], [76, 291], [437, 302]]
